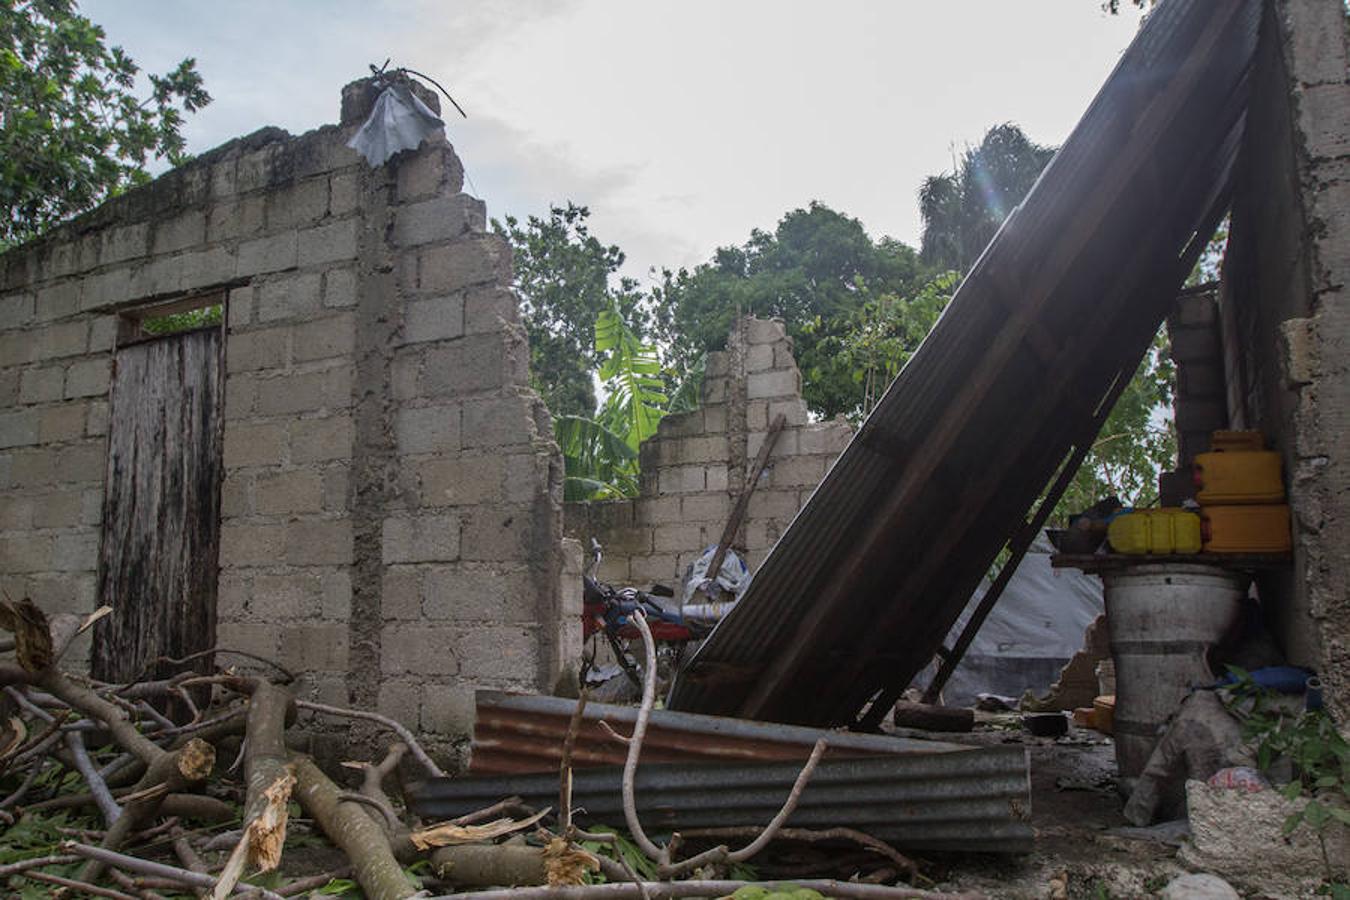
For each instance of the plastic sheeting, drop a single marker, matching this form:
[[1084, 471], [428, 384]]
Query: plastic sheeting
[[1034, 628], [398, 121]]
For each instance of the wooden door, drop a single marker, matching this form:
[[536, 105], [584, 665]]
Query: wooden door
[[161, 510]]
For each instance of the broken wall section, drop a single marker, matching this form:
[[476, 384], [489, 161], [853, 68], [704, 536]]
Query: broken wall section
[[1287, 316], [697, 464], [391, 504]]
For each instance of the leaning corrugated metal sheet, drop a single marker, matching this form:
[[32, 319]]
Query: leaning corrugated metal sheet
[[977, 799], [522, 733], [858, 593]]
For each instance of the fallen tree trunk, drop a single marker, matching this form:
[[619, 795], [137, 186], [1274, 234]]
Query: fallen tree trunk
[[355, 833]]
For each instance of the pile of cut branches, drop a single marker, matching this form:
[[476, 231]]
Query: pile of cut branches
[[184, 785]]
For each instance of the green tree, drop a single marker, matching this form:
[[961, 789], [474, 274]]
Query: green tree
[[566, 277], [962, 210], [814, 271], [72, 130]]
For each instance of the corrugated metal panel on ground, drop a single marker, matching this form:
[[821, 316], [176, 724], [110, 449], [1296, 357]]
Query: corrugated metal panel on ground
[[858, 593], [977, 799], [522, 733]]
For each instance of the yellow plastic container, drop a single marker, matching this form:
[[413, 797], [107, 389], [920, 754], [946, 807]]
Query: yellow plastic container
[[1166, 530], [1247, 529], [1241, 476]]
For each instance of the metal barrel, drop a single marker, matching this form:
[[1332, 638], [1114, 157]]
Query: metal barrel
[[1162, 620]]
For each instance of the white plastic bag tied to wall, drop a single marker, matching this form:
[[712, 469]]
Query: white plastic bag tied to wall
[[399, 121]]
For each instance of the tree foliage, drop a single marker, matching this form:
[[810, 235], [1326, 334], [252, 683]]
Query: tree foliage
[[566, 278], [962, 210], [815, 271], [72, 130]]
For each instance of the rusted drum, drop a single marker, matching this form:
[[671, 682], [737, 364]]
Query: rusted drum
[[1162, 620]]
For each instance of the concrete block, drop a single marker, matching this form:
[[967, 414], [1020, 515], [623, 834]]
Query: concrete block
[[19, 347], [319, 542], [1194, 310], [254, 444], [401, 701], [236, 494], [252, 350], [658, 510], [42, 385], [473, 365], [682, 480], [315, 648], [676, 538], [336, 594], [26, 553], [662, 568], [262, 638], [61, 423], [498, 534], [714, 508], [428, 538], [298, 205], [60, 509], [251, 545], [279, 598], [16, 309], [206, 268], [328, 243], [241, 394], [19, 428], [239, 307], [782, 355], [273, 253], [500, 653], [1317, 44], [179, 233], [438, 219], [792, 410], [232, 594], [81, 462], [448, 709], [428, 429], [323, 338], [405, 373], [91, 508], [401, 593], [467, 596], [321, 440], [759, 358], [337, 488], [715, 419], [16, 512], [771, 504], [96, 424], [125, 243], [1298, 341], [800, 471], [431, 170], [296, 296], [420, 649], [716, 477], [58, 300], [715, 390], [89, 377], [157, 275], [300, 392], [339, 288], [9, 387], [500, 421], [27, 468], [106, 289], [434, 319], [476, 260], [1198, 380], [530, 477], [464, 481], [342, 194], [102, 333], [487, 310], [288, 493], [765, 331], [824, 438], [777, 383], [63, 339]]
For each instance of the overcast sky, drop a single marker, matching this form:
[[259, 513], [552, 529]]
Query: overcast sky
[[682, 125]]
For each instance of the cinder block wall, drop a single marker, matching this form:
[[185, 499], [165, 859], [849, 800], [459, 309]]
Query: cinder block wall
[[392, 520], [1287, 315], [698, 463]]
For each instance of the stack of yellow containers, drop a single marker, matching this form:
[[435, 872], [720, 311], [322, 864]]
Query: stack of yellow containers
[[1241, 495], [1166, 530]]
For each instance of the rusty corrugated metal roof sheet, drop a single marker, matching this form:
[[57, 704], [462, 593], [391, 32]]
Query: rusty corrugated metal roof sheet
[[975, 799], [858, 593], [522, 733]]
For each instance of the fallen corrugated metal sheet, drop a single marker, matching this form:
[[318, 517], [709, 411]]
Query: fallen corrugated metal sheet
[[858, 593], [977, 799], [522, 733]]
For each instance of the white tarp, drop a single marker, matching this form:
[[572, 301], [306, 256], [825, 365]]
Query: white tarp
[[1032, 631], [398, 121]]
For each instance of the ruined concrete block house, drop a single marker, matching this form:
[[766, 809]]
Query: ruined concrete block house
[[355, 445]]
